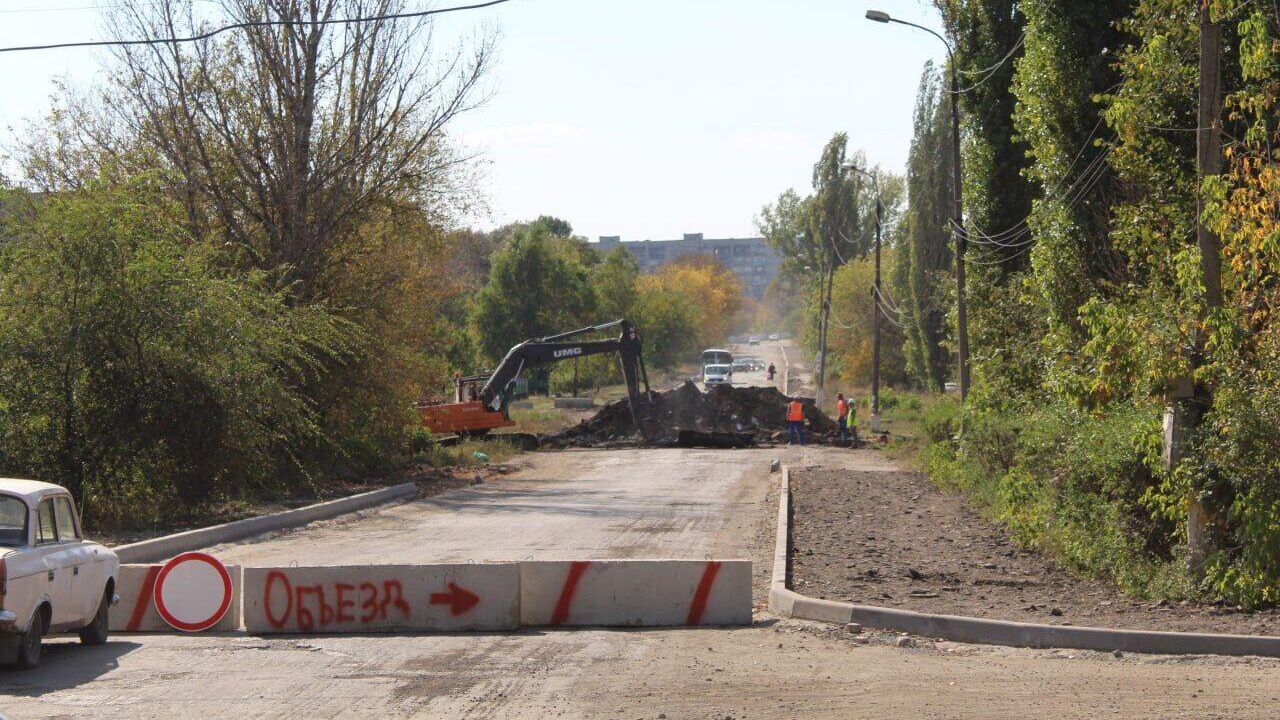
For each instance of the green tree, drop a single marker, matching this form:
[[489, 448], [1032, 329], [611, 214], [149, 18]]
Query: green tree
[[928, 255], [669, 325], [139, 374], [534, 290], [613, 283]]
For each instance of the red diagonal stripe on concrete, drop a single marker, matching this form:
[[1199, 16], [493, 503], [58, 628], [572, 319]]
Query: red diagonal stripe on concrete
[[144, 599], [699, 605], [561, 613]]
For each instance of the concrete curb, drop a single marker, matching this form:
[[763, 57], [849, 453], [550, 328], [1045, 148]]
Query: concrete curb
[[788, 603], [163, 548]]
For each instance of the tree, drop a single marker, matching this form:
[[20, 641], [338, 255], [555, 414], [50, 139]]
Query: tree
[[853, 333], [928, 254], [613, 283], [284, 139], [669, 321], [533, 290], [714, 291], [135, 371]]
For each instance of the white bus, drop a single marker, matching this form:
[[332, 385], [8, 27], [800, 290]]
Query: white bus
[[716, 356]]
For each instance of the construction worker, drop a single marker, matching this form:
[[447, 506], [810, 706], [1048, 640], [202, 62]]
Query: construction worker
[[851, 424], [795, 421], [842, 417]]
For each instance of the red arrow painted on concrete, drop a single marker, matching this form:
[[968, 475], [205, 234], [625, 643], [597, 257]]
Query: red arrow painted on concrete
[[458, 599]]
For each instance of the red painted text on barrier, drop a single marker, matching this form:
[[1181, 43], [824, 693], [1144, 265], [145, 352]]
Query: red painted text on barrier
[[321, 605]]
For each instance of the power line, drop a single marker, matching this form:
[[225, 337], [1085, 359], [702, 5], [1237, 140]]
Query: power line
[[991, 70], [1076, 192], [1021, 39], [253, 24], [77, 8]]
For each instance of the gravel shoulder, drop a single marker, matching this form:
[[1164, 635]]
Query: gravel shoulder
[[865, 531]]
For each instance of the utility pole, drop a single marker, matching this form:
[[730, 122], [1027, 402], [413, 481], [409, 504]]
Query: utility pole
[[825, 295], [875, 322], [957, 232], [1191, 400]]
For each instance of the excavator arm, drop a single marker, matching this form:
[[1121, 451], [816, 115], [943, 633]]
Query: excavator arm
[[495, 396]]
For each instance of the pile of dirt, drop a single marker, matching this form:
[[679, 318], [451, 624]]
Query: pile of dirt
[[759, 413]]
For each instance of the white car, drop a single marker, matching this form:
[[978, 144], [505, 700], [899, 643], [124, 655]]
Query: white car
[[717, 375], [52, 580]]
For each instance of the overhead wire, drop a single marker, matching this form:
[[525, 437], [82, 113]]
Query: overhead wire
[[254, 24], [989, 72]]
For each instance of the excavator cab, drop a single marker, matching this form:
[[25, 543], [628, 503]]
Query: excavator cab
[[480, 401], [466, 415]]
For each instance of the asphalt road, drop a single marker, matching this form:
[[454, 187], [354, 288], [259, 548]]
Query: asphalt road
[[627, 503]]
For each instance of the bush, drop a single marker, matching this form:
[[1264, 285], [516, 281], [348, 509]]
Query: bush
[[1073, 484], [139, 374], [941, 421]]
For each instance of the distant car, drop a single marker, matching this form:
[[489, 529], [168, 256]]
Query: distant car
[[742, 364], [52, 580], [717, 375], [755, 340], [774, 336], [950, 387]]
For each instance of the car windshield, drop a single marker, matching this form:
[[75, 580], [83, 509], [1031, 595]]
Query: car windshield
[[13, 522]]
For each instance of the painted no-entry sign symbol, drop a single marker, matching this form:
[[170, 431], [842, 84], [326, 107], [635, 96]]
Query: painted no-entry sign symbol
[[193, 591]]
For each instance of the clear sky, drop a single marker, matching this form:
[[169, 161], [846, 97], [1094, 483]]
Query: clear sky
[[639, 118]]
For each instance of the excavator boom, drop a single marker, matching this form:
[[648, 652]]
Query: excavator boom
[[489, 408]]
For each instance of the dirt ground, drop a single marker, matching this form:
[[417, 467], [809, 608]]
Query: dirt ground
[[867, 532]]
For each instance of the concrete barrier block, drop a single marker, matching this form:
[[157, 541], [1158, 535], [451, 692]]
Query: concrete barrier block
[[635, 593], [577, 403], [136, 611], [371, 598]]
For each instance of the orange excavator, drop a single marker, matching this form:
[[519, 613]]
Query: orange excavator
[[481, 402]]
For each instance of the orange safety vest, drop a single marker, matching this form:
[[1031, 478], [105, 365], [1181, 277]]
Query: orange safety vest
[[795, 411], [842, 408]]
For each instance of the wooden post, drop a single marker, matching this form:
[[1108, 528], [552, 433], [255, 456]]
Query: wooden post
[[1187, 414]]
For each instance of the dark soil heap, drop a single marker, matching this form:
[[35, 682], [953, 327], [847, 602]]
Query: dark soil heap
[[760, 412]]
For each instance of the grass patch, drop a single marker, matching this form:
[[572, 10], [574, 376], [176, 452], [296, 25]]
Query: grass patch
[[497, 450]]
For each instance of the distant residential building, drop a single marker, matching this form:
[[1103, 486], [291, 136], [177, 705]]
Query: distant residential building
[[751, 259]]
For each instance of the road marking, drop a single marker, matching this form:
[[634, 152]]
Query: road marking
[[561, 613], [699, 605], [144, 599]]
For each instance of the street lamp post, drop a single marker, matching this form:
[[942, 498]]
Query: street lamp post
[[957, 208]]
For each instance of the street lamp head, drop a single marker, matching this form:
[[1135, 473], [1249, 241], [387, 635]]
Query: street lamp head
[[879, 16]]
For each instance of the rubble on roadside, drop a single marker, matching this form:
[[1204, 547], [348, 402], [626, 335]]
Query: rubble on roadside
[[737, 415]]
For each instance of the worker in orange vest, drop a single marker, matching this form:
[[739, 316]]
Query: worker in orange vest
[[842, 416], [795, 421]]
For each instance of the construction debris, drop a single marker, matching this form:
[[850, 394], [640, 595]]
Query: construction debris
[[724, 416]]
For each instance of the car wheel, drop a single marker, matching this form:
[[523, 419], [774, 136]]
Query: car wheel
[[29, 644], [95, 633]]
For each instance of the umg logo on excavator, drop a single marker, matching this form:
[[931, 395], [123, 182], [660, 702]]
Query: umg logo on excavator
[[567, 352]]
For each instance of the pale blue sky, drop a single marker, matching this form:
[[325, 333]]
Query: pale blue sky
[[644, 119]]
